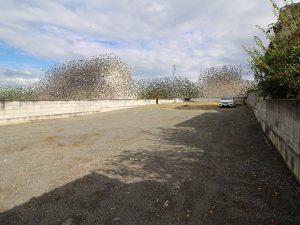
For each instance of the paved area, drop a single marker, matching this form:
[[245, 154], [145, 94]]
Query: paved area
[[163, 164]]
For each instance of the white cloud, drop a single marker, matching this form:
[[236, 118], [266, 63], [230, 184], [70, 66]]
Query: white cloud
[[14, 77], [151, 35]]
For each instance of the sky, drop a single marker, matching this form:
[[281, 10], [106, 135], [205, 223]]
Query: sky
[[150, 35]]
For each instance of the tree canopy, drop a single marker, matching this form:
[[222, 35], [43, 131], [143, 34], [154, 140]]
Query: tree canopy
[[277, 66]]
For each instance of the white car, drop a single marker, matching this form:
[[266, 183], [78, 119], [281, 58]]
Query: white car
[[227, 101]]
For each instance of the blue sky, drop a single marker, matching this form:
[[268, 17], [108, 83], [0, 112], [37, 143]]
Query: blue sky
[[151, 35]]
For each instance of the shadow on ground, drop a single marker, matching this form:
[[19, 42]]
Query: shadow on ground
[[198, 107], [215, 168]]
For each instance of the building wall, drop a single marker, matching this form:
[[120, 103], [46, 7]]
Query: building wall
[[280, 121]]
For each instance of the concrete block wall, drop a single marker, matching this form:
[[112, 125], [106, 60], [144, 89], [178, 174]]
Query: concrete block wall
[[280, 121], [12, 112], [166, 101], [238, 100], [205, 99]]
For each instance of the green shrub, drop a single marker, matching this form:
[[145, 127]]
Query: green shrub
[[277, 66], [18, 93]]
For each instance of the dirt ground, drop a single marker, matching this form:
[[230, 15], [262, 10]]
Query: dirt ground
[[182, 163]]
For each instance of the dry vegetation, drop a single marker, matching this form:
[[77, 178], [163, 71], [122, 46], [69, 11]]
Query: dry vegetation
[[101, 77], [223, 81]]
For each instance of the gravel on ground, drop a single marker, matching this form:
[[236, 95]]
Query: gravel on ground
[[182, 163]]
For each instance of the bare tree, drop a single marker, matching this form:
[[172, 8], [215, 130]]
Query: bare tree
[[100, 77], [167, 88], [223, 81]]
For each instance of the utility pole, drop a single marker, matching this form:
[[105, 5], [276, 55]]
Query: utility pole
[[174, 70]]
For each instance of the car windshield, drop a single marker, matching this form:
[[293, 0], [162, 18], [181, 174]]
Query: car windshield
[[226, 98]]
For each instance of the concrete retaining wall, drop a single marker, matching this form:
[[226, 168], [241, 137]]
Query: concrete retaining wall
[[205, 99], [238, 100], [12, 112], [280, 120]]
